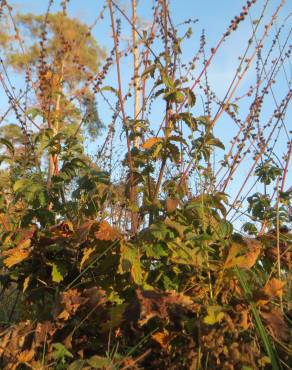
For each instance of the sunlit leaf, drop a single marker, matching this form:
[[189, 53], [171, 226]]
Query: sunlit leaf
[[17, 254], [86, 254], [163, 338], [274, 288], [107, 232], [26, 283], [214, 315], [148, 144], [58, 272], [98, 362]]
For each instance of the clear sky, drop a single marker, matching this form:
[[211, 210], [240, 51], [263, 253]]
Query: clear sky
[[214, 17]]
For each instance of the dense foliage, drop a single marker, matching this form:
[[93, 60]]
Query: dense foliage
[[147, 271]]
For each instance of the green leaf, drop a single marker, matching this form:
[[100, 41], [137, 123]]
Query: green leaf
[[167, 80], [76, 365], [211, 140], [175, 96], [130, 262], [225, 229], [21, 184], [116, 314], [191, 97], [271, 352], [110, 88], [61, 352], [149, 70], [98, 362], [34, 112], [187, 118]]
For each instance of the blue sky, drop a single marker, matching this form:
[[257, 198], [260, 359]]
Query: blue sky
[[214, 17]]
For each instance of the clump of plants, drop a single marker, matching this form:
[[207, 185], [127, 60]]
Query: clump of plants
[[132, 258]]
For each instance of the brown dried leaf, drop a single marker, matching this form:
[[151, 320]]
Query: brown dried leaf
[[276, 323], [71, 301], [44, 330], [156, 304]]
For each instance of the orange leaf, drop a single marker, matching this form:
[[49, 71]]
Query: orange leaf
[[162, 337], [274, 288], [25, 356], [243, 256], [171, 204], [251, 257], [107, 232], [150, 142], [15, 256]]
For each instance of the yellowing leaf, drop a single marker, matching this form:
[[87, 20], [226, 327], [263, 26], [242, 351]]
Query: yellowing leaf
[[274, 288], [15, 256], [242, 256], [150, 142], [107, 232], [24, 244], [163, 338], [214, 315], [86, 254], [58, 272], [26, 283], [250, 258], [130, 262]]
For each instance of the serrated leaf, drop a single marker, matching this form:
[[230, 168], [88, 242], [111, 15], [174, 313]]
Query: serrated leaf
[[130, 262], [213, 141]]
